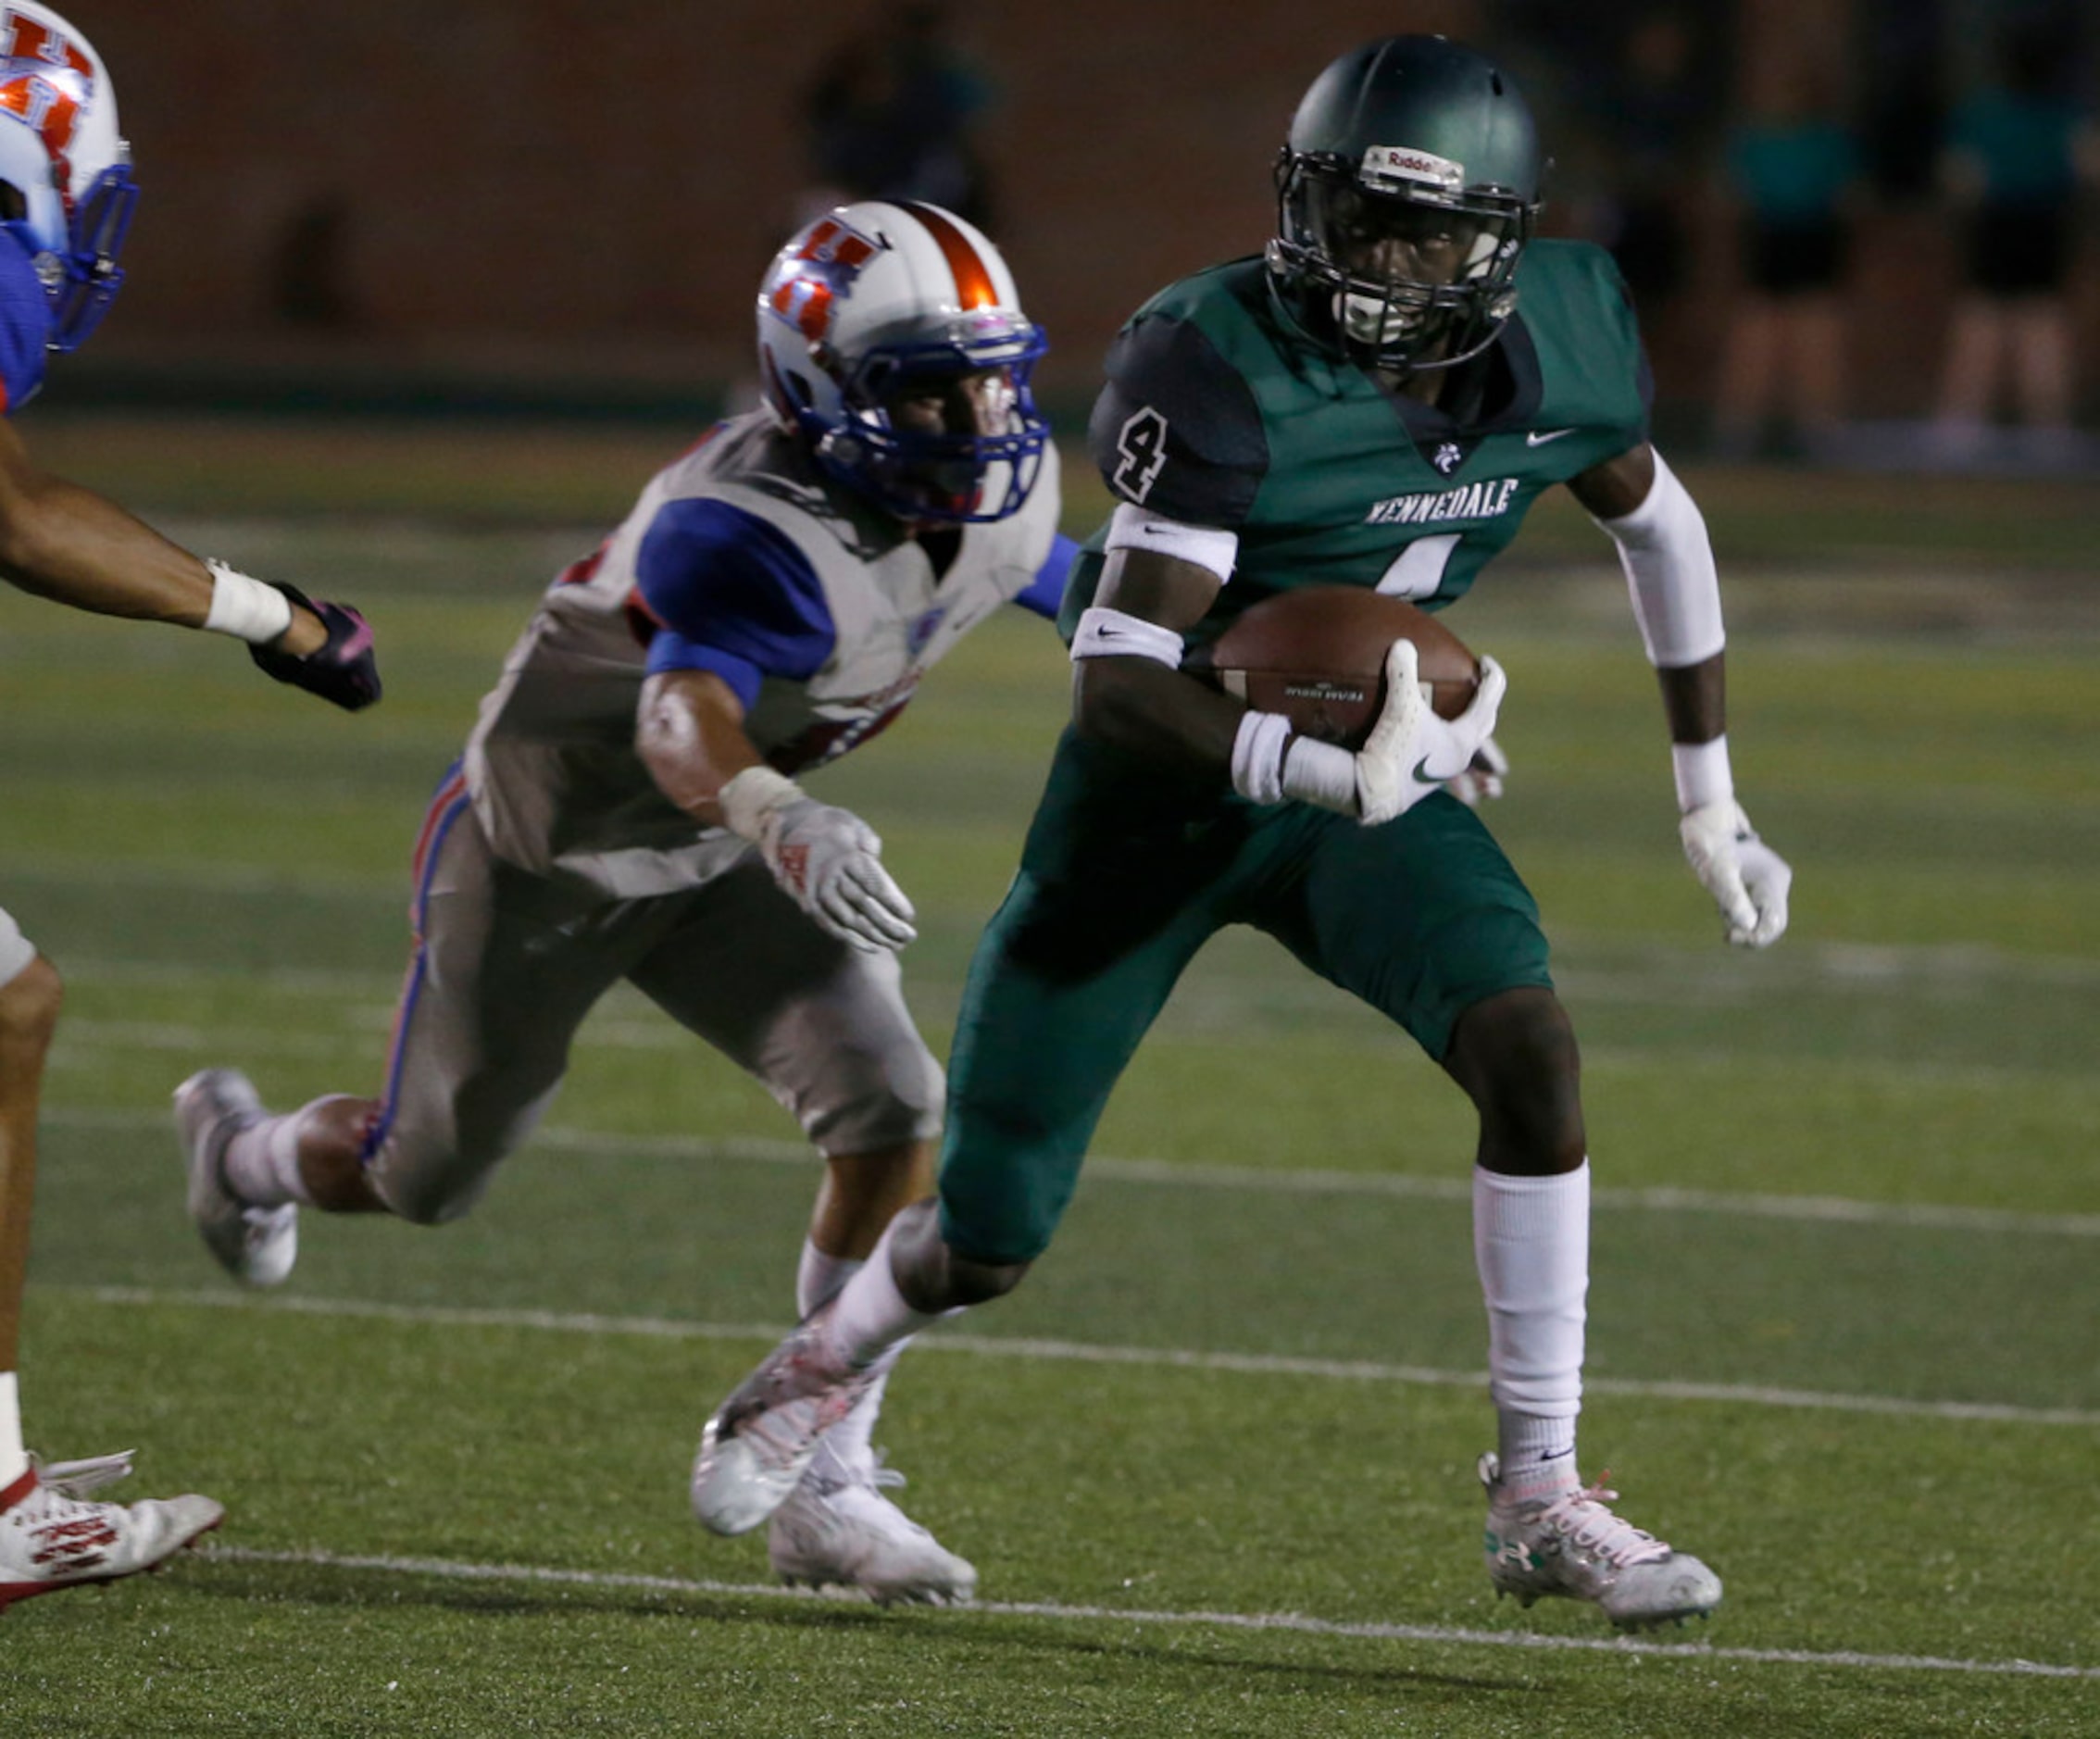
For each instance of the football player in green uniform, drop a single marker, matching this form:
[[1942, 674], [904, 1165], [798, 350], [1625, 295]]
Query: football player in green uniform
[[1376, 402]]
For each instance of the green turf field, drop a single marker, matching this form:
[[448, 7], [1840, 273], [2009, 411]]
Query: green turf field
[[1214, 1462]]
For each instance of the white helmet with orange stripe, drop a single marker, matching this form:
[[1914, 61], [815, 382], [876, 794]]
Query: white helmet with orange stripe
[[878, 300], [65, 187]]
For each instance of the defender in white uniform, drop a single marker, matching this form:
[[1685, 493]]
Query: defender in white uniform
[[626, 808]]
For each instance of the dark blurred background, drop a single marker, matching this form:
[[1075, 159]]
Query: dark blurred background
[[565, 204]]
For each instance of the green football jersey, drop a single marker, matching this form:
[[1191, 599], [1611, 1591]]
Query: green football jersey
[[1220, 412]]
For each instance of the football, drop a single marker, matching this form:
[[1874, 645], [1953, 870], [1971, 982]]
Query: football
[[1317, 655]]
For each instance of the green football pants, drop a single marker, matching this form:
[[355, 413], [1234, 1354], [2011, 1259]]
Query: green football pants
[[1125, 875]]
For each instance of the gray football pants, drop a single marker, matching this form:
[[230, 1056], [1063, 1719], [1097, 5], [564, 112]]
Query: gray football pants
[[507, 964]]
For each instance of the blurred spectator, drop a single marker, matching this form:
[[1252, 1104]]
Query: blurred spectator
[[2015, 152], [1794, 170], [1654, 122], [309, 272], [890, 114], [1903, 96]]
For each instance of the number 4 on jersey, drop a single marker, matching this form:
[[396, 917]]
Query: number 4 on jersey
[[1141, 444]]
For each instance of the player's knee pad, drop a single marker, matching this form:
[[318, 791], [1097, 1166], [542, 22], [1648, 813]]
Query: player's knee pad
[[876, 1102], [427, 1183]]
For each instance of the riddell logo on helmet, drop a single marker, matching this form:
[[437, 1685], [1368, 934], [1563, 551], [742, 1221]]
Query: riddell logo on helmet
[[806, 282], [1384, 163]]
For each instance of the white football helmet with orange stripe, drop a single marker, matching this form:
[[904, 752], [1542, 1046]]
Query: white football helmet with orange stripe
[[871, 299], [65, 187]]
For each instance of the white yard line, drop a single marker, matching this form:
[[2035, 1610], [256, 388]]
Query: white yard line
[[1823, 1209], [1599, 964], [1069, 1352], [1294, 1622]]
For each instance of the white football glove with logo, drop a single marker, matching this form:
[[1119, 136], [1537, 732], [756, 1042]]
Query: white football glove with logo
[[827, 859], [1411, 751], [1748, 878]]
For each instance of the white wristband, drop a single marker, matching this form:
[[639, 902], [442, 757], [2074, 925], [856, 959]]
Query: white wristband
[[1702, 773], [751, 796], [1132, 527], [246, 608], [1106, 633], [1258, 755], [1321, 773]]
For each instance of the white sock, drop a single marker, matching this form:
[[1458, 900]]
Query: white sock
[[260, 1165], [14, 1458], [872, 1316], [818, 1276], [848, 1447], [1531, 1244]]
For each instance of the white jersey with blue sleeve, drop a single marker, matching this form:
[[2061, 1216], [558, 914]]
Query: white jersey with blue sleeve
[[738, 558]]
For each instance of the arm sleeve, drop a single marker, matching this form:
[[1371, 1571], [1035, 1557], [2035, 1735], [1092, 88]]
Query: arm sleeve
[[1670, 577], [1046, 591], [733, 595], [1177, 429]]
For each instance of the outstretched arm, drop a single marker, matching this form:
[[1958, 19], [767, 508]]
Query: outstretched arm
[[63, 542], [1676, 595]]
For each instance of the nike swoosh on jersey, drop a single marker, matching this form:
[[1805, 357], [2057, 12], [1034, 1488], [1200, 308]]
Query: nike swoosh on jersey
[[1539, 437]]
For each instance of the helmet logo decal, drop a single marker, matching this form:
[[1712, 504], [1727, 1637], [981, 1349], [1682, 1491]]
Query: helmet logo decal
[[1142, 442], [1397, 168], [50, 108], [26, 38], [823, 269]]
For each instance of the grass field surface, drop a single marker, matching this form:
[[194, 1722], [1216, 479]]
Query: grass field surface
[[1214, 1461]]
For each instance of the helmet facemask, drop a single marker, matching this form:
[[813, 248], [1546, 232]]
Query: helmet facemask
[[1400, 267], [84, 280], [958, 476]]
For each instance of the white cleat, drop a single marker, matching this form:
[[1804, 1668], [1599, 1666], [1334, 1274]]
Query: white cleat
[[257, 1245], [761, 1441], [1570, 1544], [52, 1539], [844, 1530]]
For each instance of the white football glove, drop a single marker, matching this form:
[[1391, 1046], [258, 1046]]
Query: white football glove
[[1482, 780], [828, 860], [1411, 751], [1748, 878]]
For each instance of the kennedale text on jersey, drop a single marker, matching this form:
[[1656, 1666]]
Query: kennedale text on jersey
[[1485, 500]]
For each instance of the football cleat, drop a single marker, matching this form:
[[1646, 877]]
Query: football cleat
[[761, 1441], [844, 1530], [51, 1538], [257, 1245], [1569, 1543]]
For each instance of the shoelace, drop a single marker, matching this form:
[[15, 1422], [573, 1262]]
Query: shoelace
[[1583, 1517], [871, 1474], [77, 1479]]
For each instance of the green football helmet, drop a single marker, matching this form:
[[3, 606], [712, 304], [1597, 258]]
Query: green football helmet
[[1405, 194]]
